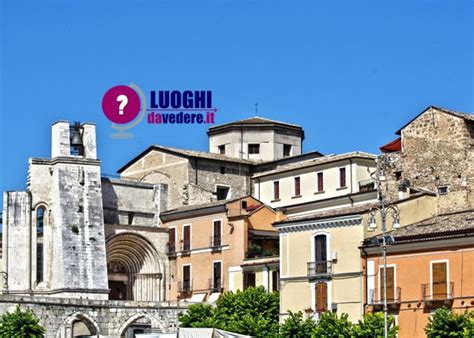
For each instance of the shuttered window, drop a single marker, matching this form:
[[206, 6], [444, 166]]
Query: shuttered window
[[439, 280], [320, 186], [320, 258], [321, 297], [297, 186], [390, 284], [276, 190]]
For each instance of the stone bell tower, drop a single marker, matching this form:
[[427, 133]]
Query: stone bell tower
[[54, 231]]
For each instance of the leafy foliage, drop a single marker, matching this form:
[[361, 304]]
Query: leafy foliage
[[330, 325], [198, 315], [252, 312], [444, 323], [372, 325], [20, 324], [295, 326]]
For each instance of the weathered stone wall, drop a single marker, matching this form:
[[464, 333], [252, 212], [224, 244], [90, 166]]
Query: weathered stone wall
[[437, 151], [104, 318]]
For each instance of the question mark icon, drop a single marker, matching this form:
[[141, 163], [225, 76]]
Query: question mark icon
[[123, 99]]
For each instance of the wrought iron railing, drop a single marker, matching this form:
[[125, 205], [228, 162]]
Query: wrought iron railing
[[185, 246], [216, 284], [215, 241], [376, 296], [185, 286], [320, 269], [171, 248], [428, 292]]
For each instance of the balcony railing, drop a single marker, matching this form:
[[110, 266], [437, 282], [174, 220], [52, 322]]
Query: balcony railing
[[185, 246], [320, 269], [216, 284], [428, 292], [185, 286], [215, 242], [376, 296], [171, 249], [366, 185]]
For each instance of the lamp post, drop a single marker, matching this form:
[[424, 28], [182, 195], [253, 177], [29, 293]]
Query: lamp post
[[384, 211]]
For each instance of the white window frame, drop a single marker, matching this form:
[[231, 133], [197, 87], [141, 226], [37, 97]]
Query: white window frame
[[273, 190], [294, 185], [339, 176], [190, 273], [328, 245], [447, 274], [313, 293], [222, 271], [222, 228]]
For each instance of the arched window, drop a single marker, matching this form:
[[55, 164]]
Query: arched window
[[40, 244]]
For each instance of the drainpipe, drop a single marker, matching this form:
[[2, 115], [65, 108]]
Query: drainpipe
[[362, 282]]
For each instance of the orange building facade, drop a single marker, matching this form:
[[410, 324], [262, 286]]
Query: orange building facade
[[220, 246], [429, 265]]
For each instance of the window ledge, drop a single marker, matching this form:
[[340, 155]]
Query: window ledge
[[296, 196], [275, 200], [319, 192], [342, 188]]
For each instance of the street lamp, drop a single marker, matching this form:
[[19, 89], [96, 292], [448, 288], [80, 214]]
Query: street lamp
[[384, 211]]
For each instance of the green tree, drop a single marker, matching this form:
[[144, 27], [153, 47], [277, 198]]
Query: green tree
[[251, 312], [20, 324], [445, 323], [330, 325], [372, 325], [198, 315], [296, 326]]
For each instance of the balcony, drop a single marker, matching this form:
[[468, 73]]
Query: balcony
[[320, 269], [434, 296], [216, 284], [185, 246], [258, 251], [185, 286], [215, 243], [171, 249], [366, 185], [376, 297]]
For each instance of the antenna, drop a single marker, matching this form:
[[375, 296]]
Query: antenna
[[256, 108]]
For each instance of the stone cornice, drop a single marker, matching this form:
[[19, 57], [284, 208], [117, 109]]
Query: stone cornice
[[346, 221], [64, 160]]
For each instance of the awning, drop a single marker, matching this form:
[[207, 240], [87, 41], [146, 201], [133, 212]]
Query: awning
[[213, 297], [197, 298], [395, 145]]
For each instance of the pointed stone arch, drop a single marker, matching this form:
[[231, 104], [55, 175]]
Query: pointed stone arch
[[135, 268], [155, 323]]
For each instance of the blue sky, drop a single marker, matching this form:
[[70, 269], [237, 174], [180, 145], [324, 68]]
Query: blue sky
[[351, 73]]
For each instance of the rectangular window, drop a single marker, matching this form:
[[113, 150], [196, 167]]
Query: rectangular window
[[186, 238], [390, 284], [186, 287], [249, 280], [342, 177], [222, 193], [217, 228], [131, 215], [286, 150], [217, 277], [254, 148], [439, 285], [297, 186], [275, 281], [222, 149], [321, 297], [320, 178], [172, 240], [276, 190], [320, 246]]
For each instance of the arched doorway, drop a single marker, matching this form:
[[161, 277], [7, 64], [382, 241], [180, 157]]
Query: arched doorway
[[134, 269], [78, 325]]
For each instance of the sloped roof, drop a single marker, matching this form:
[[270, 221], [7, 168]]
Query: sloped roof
[[318, 161], [255, 122], [465, 116], [187, 153], [451, 225]]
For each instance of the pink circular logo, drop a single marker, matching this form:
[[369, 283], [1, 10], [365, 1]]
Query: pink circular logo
[[121, 104]]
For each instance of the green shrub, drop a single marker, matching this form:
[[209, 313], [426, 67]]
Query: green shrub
[[444, 323], [330, 325], [20, 324], [296, 326], [372, 325]]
